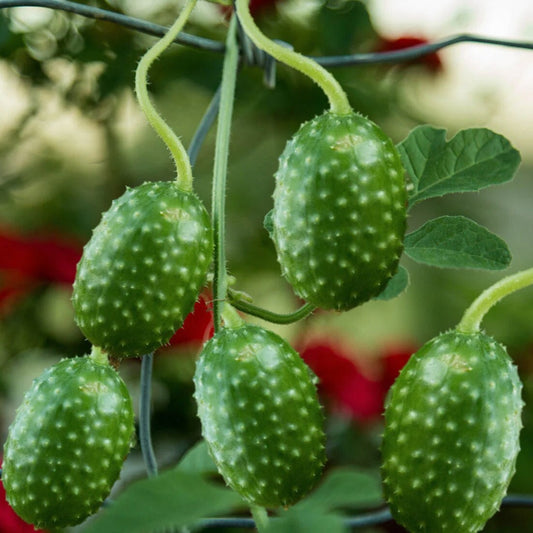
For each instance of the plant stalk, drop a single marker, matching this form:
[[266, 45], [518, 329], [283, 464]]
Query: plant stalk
[[471, 321], [338, 100], [220, 170], [172, 141]]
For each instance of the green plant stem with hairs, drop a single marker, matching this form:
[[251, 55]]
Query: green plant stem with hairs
[[172, 141], [472, 317], [220, 170], [338, 101]]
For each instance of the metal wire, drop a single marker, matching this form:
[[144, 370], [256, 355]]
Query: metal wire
[[397, 56]]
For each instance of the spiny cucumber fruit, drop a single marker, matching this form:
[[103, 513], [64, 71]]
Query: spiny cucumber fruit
[[260, 415], [452, 424], [143, 268], [67, 444], [339, 213]]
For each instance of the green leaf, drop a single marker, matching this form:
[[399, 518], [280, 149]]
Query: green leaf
[[396, 285], [268, 224], [344, 487], [198, 460], [472, 160], [306, 520], [457, 242], [172, 499]]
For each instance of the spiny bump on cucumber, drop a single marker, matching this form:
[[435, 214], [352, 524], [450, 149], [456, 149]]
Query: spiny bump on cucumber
[[339, 213], [67, 443], [143, 268], [260, 415], [452, 424]]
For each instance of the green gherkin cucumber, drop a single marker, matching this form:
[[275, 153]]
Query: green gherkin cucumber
[[452, 425], [260, 415], [339, 212], [67, 444], [143, 268]]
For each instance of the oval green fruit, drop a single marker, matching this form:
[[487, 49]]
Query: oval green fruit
[[260, 415], [339, 212], [452, 424], [143, 268], [67, 443]]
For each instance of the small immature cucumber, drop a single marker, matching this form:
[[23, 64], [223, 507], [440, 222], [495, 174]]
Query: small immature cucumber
[[260, 415], [452, 425], [68, 441]]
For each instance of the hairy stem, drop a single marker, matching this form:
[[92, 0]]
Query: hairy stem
[[220, 170], [177, 150], [338, 101], [269, 316], [473, 316]]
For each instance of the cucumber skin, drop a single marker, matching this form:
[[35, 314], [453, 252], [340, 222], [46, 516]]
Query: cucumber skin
[[339, 215], [452, 426], [260, 415], [143, 269], [67, 443]]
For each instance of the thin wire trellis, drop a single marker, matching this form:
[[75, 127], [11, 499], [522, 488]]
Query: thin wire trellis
[[252, 56]]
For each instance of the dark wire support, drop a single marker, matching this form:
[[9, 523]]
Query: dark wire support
[[203, 128], [145, 435], [397, 56], [126, 21]]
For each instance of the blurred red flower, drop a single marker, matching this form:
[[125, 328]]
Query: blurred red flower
[[432, 61], [358, 394], [257, 7], [29, 261], [9, 520]]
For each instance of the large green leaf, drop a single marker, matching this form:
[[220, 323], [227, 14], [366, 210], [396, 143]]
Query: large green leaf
[[297, 520], [396, 285], [198, 460], [172, 499], [457, 242], [344, 487], [472, 160]]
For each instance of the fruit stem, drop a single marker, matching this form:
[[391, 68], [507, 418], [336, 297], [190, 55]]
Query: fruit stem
[[220, 170], [172, 141], [231, 318], [338, 101], [473, 316], [260, 517], [265, 314], [99, 356]]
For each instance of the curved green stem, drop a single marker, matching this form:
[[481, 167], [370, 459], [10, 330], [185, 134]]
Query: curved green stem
[[338, 101], [177, 150], [220, 170], [473, 316], [270, 316]]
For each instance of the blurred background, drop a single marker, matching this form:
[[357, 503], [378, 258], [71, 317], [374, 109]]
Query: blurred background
[[72, 137]]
